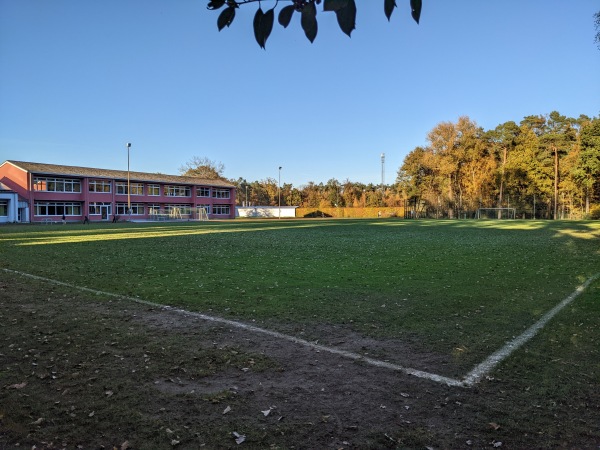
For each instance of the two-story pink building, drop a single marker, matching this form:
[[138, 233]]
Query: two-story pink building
[[47, 192]]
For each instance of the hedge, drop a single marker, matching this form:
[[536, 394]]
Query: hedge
[[367, 212]]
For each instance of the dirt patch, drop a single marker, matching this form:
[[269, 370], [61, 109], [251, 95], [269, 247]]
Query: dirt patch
[[83, 371]]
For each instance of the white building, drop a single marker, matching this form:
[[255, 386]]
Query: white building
[[11, 209], [262, 212]]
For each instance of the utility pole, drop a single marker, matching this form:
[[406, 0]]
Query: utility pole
[[128, 184], [382, 171]]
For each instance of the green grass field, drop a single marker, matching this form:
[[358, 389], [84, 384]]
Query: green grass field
[[457, 288], [82, 370]]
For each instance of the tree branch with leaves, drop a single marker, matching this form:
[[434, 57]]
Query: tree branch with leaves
[[345, 11]]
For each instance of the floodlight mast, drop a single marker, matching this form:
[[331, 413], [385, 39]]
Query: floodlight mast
[[128, 183], [279, 194]]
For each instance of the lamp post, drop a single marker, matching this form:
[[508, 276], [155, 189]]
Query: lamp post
[[279, 194], [128, 184]]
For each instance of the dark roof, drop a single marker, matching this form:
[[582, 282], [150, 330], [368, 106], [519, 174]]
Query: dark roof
[[90, 172], [5, 188]]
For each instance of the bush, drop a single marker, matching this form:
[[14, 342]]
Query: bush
[[595, 212]]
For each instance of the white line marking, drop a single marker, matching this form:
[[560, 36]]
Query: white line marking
[[244, 326], [475, 375]]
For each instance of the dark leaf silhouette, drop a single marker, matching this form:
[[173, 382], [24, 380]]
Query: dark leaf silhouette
[[285, 15], [226, 17], [347, 17], [334, 5], [263, 25], [215, 4], [257, 27], [345, 11], [388, 8], [309, 21], [415, 6]]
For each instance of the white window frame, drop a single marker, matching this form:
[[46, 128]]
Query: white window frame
[[202, 191], [99, 186], [221, 193], [137, 209], [184, 209], [172, 190], [136, 188], [43, 184], [221, 210], [68, 208], [97, 208], [206, 207]]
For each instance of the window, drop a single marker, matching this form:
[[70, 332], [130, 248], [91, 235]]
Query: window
[[3, 208], [206, 208], [154, 189], [99, 186], [178, 210], [136, 188], [95, 208], [203, 191], [56, 184], [178, 191], [137, 209], [220, 193], [57, 208], [222, 210], [40, 184], [153, 209]]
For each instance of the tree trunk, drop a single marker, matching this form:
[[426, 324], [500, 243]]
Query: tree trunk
[[450, 198], [501, 184], [587, 200]]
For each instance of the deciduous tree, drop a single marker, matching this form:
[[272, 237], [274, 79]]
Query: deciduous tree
[[203, 167]]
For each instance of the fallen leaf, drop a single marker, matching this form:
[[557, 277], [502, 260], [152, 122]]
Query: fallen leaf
[[37, 422], [91, 414], [497, 444], [226, 410], [174, 442], [109, 393], [17, 386], [125, 445], [239, 438], [266, 412], [494, 425]]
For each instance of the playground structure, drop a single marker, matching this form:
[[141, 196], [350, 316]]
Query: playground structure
[[176, 213]]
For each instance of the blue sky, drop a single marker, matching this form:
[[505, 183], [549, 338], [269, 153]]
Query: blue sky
[[78, 80]]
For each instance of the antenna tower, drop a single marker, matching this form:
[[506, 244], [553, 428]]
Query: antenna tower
[[382, 171]]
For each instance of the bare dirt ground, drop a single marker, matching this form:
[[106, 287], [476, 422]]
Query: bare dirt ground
[[85, 371]]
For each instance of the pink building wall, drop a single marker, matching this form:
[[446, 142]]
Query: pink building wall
[[21, 181]]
